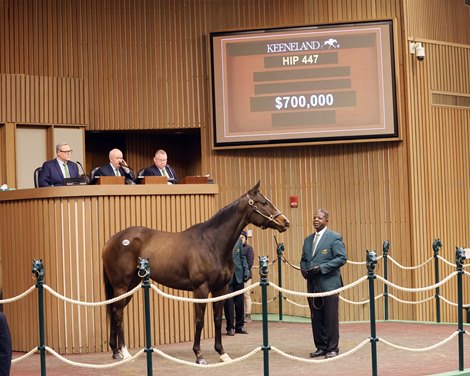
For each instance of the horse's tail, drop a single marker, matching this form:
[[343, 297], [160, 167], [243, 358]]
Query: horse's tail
[[109, 291]]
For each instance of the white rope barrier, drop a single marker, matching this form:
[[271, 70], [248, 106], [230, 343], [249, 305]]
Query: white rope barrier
[[319, 294], [445, 261], [207, 300], [336, 358], [94, 366], [18, 297], [411, 301], [420, 289], [362, 262], [205, 366], [93, 304], [423, 349], [24, 356], [454, 304], [362, 302], [269, 301], [409, 267]]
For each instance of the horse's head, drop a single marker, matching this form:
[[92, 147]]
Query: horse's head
[[263, 213]]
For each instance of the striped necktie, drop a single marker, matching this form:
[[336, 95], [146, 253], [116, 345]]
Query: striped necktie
[[116, 172], [66, 170], [164, 173], [315, 242]]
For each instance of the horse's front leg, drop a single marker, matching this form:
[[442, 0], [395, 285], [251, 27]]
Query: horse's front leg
[[218, 307], [200, 309]]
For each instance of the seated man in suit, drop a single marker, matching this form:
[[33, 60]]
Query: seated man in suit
[[161, 168], [117, 166], [54, 171]]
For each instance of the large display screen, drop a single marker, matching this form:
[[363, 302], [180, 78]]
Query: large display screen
[[303, 84]]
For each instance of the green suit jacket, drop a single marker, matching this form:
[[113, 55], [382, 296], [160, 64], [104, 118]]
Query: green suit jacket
[[330, 256]]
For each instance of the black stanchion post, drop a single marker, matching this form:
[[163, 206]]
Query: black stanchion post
[[436, 246], [144, 273], [280, 251], [38, 270], [459, 260], [371, 262], [386, 247], [263, 273]]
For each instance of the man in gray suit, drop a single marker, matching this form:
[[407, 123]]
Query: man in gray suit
[[323, 254]]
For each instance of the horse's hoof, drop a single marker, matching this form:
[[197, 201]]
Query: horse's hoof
[[201, 361], [117, 356], [125, 353], [224, 358]]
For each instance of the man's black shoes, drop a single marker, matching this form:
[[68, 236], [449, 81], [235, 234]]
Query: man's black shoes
[[241, 330], [317, 353]]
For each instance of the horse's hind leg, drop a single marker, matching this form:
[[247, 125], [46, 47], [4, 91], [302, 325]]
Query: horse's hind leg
[[116, 341]]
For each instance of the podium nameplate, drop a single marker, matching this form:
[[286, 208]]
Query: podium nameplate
[[154, 180], [115, 180], [194, 180]]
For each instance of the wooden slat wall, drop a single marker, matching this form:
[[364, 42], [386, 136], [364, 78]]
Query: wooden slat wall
[[438, 137], [146, 64], [439, 161], [69, 234], [27, 99]]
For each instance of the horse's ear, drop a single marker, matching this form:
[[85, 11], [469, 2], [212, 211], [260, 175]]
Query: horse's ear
[[255, 188]]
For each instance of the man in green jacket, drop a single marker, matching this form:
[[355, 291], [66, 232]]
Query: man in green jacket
[[323, 254]]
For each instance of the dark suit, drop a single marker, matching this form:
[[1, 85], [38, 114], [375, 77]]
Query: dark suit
[[5, 346], [240, 275], [330, 255], [51, 173], [108, 170], [154, 171]]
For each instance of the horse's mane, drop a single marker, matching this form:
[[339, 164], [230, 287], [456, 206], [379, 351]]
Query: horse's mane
[[218, 218]]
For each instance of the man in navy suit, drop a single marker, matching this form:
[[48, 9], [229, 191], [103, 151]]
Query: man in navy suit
[[5, 346], [54, 171], [117, 166], [161, 168], [323, 254]]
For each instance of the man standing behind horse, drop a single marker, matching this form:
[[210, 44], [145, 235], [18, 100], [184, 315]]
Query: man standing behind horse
[[240, 275], [323, 254], [250, 256]]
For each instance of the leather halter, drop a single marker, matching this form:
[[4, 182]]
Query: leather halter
[[269, 218]]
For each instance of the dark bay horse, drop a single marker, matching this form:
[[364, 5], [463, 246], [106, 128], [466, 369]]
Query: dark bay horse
[[198, 259]]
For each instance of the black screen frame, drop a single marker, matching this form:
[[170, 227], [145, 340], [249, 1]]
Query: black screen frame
[[392, 132]]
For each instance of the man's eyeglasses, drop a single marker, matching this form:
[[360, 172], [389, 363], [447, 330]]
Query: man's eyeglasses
[[66, 151]]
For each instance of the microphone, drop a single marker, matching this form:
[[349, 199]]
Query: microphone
[[171, 177], [87, 180]]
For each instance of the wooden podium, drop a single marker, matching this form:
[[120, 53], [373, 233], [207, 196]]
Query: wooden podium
[[114, 180], [154, 180], [194, 180]]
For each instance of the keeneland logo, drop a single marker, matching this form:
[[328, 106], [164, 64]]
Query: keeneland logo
[[330, 43]]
